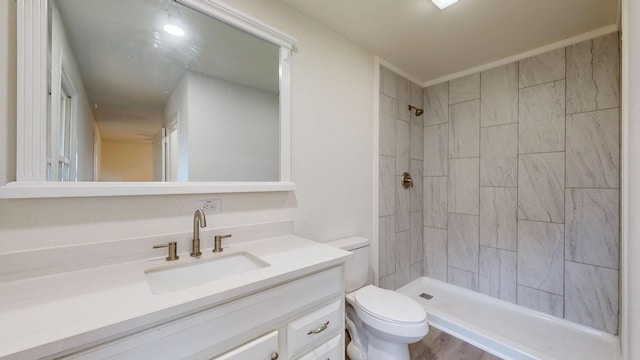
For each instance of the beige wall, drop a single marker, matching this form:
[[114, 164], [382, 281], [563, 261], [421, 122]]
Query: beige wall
[[332, 125], [332, 136], [126, 161]]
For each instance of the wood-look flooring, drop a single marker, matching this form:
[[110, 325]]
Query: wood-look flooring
[[438, 345]]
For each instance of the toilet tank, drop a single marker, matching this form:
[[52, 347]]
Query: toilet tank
[[357, 271]]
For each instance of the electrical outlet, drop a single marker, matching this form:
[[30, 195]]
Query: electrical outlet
[[211, 206]]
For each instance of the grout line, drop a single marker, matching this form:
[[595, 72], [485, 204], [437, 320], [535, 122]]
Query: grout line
[[467, 271], [589, 188], [543, 152], [466, 157], [564, 192], [448, 175], [544, 83], [496, 125], [544, 291], [540, 221], [464, 101], [479, 171], [497, 248], [517, 169], [593, 111], [587, 264]]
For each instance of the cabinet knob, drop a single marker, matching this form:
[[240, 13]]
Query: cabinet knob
[[274, 356]]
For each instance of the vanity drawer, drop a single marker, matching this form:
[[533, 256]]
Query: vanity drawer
[[314, 327], [263, 347], [331, 350]]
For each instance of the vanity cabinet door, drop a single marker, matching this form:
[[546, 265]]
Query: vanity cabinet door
[[262, 348], [331, 350]]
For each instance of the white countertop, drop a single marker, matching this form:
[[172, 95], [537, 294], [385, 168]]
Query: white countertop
[[49, 314]]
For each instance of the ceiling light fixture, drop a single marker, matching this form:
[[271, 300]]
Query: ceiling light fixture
[[174, 30], [443, 3]]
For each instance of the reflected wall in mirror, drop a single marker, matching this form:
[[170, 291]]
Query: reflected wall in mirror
[[153, 90]]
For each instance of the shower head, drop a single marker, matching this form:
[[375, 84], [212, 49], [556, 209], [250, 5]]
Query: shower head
[[418, 110]]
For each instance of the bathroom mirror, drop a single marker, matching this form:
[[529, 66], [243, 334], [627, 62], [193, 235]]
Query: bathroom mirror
[[195, 87]]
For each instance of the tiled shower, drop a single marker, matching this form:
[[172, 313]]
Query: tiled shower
[[520, 195]]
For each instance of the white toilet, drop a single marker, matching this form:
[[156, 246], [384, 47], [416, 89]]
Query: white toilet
[[382, 323]]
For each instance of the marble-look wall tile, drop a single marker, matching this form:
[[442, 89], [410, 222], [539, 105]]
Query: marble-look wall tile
[[435, 202], [387, 126], [498, 273], [593, 149], [591, 296], [402, 146], [464, 88], [387, 186], [403, 258], [464, 186], [541, 301], [592, 226], [416, 146], [463, 278], [542, 68], [436, 104], [499, 155], [498, 223], [417, 270], [417, 95], [464, 129], [388, 282], [403, 95], [593, 74], [388, 82], [499, 95], [417, 199], [541, 187], [435, 253], [387, 245], [416, 237], [403, 206], [541, 256], [462, 241], [542, 118], [436, 150], [606, 63]]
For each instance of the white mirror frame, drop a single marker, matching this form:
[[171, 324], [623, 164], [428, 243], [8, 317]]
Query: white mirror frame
[[32, 114]]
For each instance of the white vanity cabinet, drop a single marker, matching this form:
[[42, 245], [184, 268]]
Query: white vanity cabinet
[[264, 347], [293, 320]]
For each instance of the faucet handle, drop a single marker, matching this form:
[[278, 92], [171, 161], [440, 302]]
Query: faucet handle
[[217, 242], [173, 250]]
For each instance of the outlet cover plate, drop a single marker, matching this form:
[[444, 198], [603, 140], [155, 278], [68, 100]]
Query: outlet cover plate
[[212, 206]]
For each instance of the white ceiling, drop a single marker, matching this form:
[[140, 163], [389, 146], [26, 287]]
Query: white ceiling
[[428, 43], [130, 66]]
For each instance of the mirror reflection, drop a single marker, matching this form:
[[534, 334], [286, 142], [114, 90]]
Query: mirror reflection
[[151, 90]]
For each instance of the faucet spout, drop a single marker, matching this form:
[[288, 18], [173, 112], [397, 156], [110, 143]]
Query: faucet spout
[[199, 221]]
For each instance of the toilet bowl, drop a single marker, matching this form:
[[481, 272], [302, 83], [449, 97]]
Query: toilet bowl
[[382, 323]]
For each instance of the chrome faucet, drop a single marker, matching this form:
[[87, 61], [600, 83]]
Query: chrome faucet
[[199, 221]]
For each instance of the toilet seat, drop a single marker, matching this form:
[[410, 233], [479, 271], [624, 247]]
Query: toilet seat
[[389, 305], [390, 312]]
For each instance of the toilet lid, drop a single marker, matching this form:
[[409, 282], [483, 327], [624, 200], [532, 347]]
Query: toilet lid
[[389, 305]]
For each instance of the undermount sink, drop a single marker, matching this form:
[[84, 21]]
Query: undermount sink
[[180, 277]]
